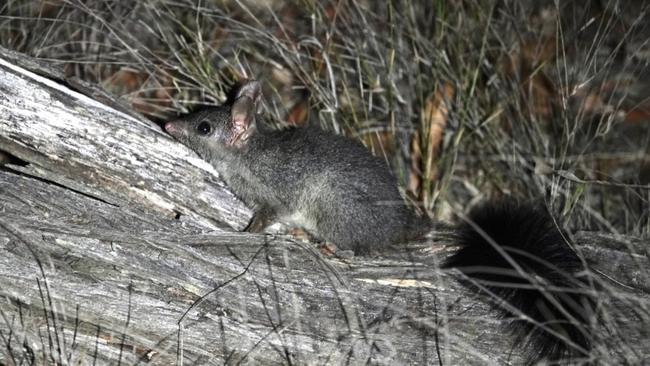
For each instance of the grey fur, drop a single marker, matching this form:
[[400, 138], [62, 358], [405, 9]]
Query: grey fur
[[335, 188], [328, 184]]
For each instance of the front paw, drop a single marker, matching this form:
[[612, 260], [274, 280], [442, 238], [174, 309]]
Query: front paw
[[330, 250], [256, 225]]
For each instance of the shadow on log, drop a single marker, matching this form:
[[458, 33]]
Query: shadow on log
[[119, 245]]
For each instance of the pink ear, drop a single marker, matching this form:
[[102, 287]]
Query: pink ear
[[243, 112], [251, 89]]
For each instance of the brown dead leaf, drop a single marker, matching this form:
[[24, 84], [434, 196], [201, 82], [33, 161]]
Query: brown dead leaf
[[535, 51], [426, 142], [414, 184], [332, 10], [525, 64], [605, 97], [125, 80], [299, 113], [149, 95], [50, 8], [217, 37], [380, 143], [593, 104], [639, 113], [163, 92]]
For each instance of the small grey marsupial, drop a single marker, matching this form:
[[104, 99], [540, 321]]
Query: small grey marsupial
[[333, 187]]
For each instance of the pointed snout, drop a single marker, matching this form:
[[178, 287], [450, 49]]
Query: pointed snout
[[175, 129], [171, 128]]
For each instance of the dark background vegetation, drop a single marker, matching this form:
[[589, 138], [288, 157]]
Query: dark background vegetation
[[465, 99]]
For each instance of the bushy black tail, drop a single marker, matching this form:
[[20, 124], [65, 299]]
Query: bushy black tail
[[517, 254]]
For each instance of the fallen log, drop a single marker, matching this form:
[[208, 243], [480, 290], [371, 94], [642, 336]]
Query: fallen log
[[119, 245]]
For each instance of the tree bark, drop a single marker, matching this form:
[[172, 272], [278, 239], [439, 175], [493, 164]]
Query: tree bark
[[119, 245]]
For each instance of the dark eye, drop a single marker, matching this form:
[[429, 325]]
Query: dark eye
[[204, 128]]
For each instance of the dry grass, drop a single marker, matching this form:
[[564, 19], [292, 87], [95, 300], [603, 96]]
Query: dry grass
[[465, 99]]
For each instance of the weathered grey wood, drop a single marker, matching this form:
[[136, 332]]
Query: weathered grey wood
[[73, 140], [115, 264], [94, 267], [168, 267]]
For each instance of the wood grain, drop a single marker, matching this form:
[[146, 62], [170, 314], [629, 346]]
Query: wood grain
[[118, 245]]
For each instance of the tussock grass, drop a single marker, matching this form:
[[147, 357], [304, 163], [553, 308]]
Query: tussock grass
[[466, 100], [536, 95]]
